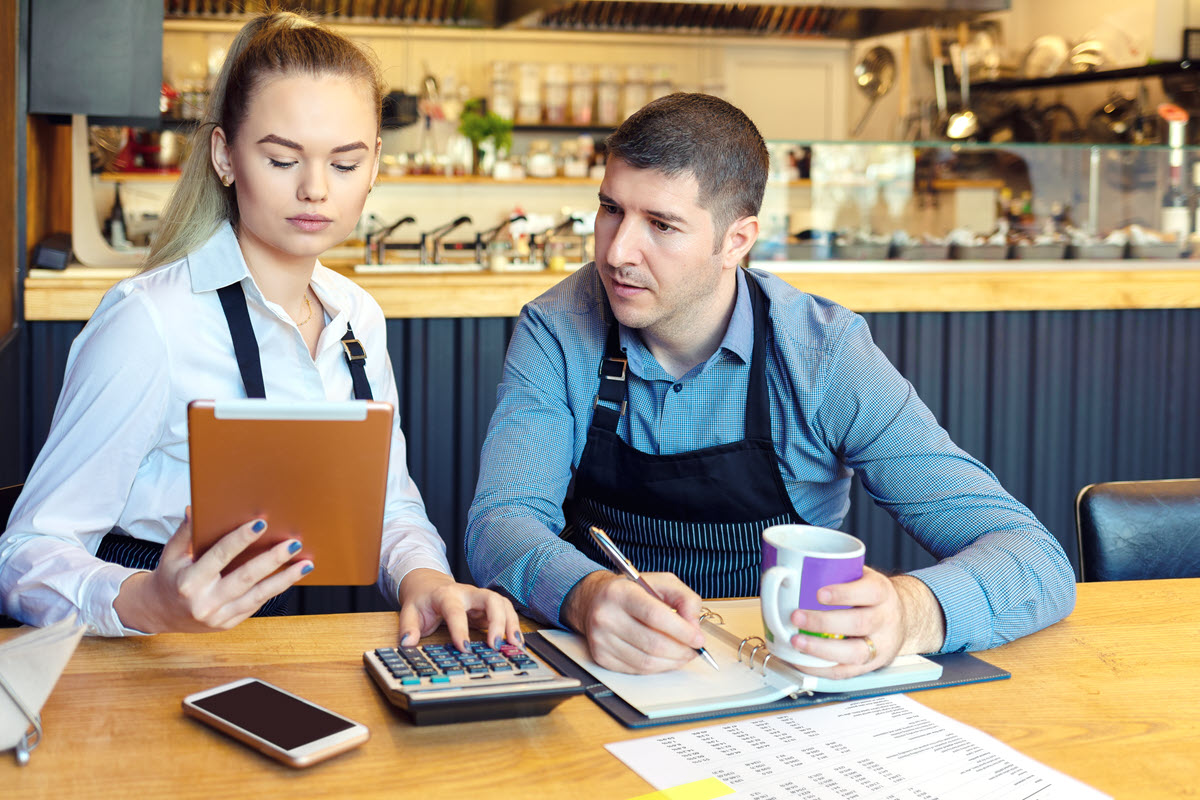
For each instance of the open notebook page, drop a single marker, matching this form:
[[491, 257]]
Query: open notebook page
[[695, 688], [698, 688]]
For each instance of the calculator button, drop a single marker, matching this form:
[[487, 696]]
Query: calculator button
[[477, 670], [411, 680], [505, 667], [453, 671], [439, 679]]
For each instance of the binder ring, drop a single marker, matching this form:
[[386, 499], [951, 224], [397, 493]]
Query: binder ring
[[748, 640], [707, 615]]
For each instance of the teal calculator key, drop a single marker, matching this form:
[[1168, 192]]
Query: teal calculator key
[[440, 679], [411, 680]]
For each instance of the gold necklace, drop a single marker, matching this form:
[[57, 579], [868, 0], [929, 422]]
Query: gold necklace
[[308, 306]]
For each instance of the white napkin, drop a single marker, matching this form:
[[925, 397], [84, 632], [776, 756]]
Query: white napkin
[[30, 664]]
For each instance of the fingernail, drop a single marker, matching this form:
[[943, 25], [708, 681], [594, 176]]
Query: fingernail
[[259, 526], [294, 547], [520, 639], [307, 569], [825, 597], [405, 640], [464, 646], [799, 618], [496, 642]]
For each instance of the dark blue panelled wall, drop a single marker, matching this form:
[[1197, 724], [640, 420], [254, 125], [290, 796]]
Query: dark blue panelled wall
[[1050, 400]]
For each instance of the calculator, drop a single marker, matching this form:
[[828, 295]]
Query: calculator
[[435, 683]]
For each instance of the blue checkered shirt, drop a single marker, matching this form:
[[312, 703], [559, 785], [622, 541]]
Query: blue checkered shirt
[[838, 406]]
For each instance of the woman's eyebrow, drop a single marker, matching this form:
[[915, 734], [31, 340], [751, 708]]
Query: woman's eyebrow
[[271, 138]]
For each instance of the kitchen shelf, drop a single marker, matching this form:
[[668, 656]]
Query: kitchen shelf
[[1100, 76]]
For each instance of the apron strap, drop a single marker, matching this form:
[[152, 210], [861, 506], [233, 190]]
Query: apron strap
[[758, 406], [614, 369], [356, 359], [245, 347]]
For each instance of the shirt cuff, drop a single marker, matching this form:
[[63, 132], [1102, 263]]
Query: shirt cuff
[[964, 606], [100, 613], [389, 582], [554, 584]]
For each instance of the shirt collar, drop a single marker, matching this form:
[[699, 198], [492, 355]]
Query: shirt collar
[[738, 339], [219, 262]]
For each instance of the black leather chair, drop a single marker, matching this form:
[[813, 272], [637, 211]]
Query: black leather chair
[[8, 499], [1139, 530]]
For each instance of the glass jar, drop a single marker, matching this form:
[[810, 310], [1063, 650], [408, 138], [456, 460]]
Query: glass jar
[[503, 98], [556, 94], [633, 96], [660, 84], [608, 97], [540, 161], [529, 95], [581, 94]]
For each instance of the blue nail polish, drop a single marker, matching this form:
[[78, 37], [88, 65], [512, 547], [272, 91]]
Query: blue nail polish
[[294, 547], [307, 569], [497, 642], [405, 640], [519, 638], [259, 526]]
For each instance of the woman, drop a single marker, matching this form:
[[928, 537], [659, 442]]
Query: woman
[[280, 172]]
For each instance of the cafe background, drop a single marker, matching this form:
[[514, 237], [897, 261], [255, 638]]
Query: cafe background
[[1052, 394]]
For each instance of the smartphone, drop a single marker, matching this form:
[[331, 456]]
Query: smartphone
[[277, 723]]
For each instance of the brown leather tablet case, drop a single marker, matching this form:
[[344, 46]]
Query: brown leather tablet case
[[314, 471]]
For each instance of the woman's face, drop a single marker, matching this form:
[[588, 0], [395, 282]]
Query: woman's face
[[305, 157]]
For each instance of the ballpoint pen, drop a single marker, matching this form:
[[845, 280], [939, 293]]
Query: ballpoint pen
[[622, 563]]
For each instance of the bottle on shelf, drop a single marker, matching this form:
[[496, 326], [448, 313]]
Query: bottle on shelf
[[115, 225], [1176, 217]]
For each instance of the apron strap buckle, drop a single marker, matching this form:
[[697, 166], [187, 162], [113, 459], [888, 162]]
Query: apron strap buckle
[[614, 369], [354, 350]]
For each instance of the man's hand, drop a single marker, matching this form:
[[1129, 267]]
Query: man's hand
[[889, 617], [186, 595], [627, 629], [427, 597]]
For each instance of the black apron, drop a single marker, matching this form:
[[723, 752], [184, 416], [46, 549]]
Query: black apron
[[117, 546], [698, 514]]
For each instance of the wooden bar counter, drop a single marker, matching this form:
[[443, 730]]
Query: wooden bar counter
[[1104, 696], [865, 286]]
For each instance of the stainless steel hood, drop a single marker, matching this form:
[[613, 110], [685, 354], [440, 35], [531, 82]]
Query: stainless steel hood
[[832, 19]]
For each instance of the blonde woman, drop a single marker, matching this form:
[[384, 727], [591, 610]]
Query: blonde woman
[[232, 303]]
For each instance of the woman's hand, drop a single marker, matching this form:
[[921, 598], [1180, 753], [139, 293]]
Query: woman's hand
[[427, 597], [186, 595]]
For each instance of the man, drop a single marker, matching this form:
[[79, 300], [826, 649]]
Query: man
[[684, 404]]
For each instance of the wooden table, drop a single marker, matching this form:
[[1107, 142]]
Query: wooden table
[[1107, 696]]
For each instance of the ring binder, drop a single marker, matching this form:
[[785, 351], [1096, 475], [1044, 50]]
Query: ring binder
[[750, 680]]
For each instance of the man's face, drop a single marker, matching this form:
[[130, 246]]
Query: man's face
[[654, 253]]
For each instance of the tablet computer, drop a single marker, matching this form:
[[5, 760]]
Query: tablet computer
[[314, 471]]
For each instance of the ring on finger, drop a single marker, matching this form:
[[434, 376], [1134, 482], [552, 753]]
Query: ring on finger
[[870, 649]]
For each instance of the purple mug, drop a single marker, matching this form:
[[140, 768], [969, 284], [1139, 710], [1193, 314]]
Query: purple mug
[[797, 561]]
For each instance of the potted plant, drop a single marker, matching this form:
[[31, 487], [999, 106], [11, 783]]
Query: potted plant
[[486, 130]]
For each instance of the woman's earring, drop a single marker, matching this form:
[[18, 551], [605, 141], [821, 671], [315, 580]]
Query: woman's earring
[[226, 181]]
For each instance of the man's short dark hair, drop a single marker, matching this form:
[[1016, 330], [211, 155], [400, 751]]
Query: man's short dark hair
[[707, 137]]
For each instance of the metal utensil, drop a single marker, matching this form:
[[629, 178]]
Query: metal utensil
[[963, 124], [874, 74]]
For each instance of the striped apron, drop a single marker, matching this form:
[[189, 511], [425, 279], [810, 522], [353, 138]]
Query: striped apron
[[117, 546], [698, 514]]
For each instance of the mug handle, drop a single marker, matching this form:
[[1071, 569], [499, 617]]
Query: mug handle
[[773, 580]]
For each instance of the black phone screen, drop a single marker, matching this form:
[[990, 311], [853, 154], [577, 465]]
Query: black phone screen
[[281, 719]]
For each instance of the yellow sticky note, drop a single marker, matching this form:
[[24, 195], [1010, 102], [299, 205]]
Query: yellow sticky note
[[696, 790]]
